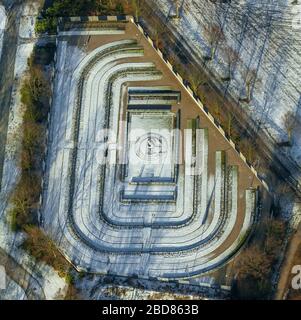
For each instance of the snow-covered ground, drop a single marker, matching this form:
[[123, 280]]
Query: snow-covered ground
[[47, 282], [129, 293], [23, 53], [116, 288], [266, 35], [104, 233], [27, 22], [13, 291], [2, 26]]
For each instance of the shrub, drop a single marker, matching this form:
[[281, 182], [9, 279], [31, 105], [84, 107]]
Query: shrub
[[65, 8], [34, 96], [24, 200], [255, 264], [69, 278], [40, 246], [119, 8]]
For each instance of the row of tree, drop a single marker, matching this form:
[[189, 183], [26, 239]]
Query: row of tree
[[24, 200], [254, 265], [65, 8], [216, 38], [34, 98]]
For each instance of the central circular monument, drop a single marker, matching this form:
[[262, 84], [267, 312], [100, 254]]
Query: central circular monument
[[151, 147]]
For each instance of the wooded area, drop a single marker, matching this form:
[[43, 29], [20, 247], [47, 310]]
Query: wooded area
[[48, 19]]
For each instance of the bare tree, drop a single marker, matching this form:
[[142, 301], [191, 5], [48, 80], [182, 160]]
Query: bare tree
[[253, 263], [248, 149], [251, 80], [196, 79], [217, 111], [24, 199], [215, 35], [177, 7], [38, 83], [111, 3], [32, 135], [158, 32], [40, 243], [289, 124], [136, 8], [230, 118], [232, 58]]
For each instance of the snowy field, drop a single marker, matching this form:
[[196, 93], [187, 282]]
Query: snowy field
[[2, 26], [111, 218], [266, 35], [98, 288], [13, 291], [129, 293], [45, 281]]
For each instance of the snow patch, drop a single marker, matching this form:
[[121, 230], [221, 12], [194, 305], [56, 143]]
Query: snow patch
[[262, 33], [23, 53], [27, 21], [46, 281], [13, 291], [2, 26]]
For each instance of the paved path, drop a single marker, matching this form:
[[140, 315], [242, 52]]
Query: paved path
[[25, 280], [7, 66], [287, 265]]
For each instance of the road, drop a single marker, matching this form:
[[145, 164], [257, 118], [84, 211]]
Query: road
[[290, 260], [7, 66], [271, 159]]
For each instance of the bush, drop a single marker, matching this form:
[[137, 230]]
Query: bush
[[253, 263], [34, 96], [254, 266], [250, 289], [24, 201], [119, 9], [25, 198], [43, 55], [40, 246], [45, 25], [275, 234], [65, 8], [69, 278], [12, 219], [72, 293]]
